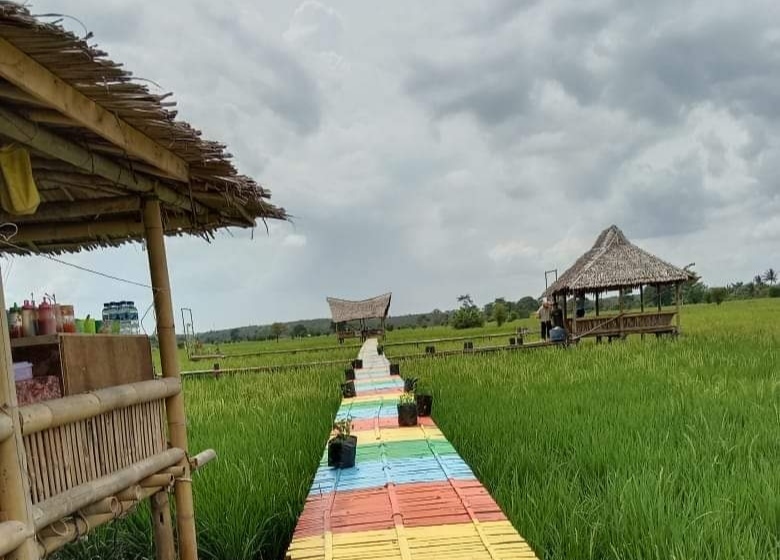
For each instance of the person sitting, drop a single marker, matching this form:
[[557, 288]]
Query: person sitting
[[580, 306]]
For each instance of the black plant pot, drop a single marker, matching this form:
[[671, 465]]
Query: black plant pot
[[341, 452], [468, 346], [424, 404], [410, 383], [513, 341], [395, 369], [407, 414], [348, 390], [380, 350], [357, 363], [349, 374], [430, 349]]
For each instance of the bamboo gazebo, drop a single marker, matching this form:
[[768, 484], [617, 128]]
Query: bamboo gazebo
[[616, 264], [110, 164], [344, 311]]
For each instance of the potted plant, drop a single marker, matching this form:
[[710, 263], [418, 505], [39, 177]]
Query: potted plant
[[407, 410], [357, 363], [349, 374], [410, 384], [395, 369], [348, 390], [424, 401], [342, 446], [430, 349], [468, 345], [380, 350]]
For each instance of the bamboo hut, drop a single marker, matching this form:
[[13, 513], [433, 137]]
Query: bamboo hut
[[110, 164], [616, 264], [344, 311]]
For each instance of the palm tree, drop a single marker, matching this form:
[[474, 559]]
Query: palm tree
[[770, 276], [757, 280]]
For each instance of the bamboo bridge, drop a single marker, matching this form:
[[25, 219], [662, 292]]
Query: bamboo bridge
[[409, 496]]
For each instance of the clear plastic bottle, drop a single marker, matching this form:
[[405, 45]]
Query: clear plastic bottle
[[121, 316], [133, 317]]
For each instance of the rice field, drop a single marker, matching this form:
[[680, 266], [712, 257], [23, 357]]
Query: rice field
[[641, 449], [654, 449]]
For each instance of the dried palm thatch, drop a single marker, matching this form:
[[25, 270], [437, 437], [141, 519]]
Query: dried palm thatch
[[613, 263], [100, 142], [343, 310]]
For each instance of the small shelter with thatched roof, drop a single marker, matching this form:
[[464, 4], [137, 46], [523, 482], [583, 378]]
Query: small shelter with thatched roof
[[91, 158], [344, 311], [616, 264]]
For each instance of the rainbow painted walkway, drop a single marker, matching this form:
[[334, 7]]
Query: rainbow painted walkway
[[410, 495]]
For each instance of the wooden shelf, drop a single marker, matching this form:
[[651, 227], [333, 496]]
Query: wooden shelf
[[86, 362]]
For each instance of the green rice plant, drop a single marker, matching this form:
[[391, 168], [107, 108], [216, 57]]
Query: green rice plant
[[641, 449]]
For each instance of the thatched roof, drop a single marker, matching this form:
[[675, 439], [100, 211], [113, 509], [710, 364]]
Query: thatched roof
[[612, 263], [345, 310], [101, 141]]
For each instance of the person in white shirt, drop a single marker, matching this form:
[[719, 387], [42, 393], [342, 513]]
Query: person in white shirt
[[544, 319]]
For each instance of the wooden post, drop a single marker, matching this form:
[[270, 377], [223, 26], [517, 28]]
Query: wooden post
[[597, 304], [174, 405], [162, 527], [658, 296], [677, 297], [15, 501], [620, 320], [642, 303]]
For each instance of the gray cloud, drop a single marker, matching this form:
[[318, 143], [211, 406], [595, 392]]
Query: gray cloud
[[448, 147]]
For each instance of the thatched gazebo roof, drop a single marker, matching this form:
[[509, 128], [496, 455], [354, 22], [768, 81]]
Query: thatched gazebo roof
[[100, 142], [613, 263], [343, 310]]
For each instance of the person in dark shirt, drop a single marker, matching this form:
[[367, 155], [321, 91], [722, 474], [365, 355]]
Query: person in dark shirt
[[556, 315]]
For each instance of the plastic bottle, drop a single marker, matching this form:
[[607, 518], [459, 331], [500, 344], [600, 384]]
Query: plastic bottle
[[47, 322], [107, 315], [114, 317], [68, 319], [15, 323], [121, 316], [28, 319], [133, 316]]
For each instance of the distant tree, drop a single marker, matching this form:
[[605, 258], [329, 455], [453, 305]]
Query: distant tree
[[718, 295], [770, 276], [299, 331], [235, 335], [500, 313], [513, 316], [526, 306], [757, 280], [468, 315], [277, 330]]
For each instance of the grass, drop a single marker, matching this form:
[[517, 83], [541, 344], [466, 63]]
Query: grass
[[647, 450], [643, 449]]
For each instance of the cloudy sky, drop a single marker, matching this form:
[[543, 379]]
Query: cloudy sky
[[437, 148]]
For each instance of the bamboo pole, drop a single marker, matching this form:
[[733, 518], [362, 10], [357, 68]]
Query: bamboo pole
[[620, 301], [677, 294], [6, 428], [162, 527], [15, 500], [658, 295], [69, 530], [54, 146], [174, 405], [13, 534], [58, 412], [47, 512]]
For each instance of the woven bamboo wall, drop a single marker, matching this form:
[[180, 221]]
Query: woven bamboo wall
[[61, 458]]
